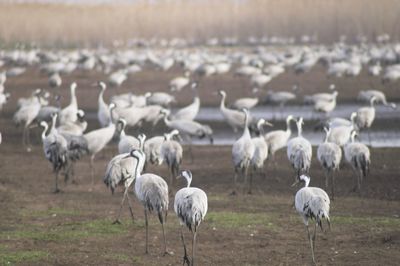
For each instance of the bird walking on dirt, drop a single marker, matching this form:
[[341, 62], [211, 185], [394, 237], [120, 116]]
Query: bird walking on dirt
[[123, 168], [329, 155], [190, 206], [299, 151], [242, 153], [357, 154], [152, 191], [312, 202]]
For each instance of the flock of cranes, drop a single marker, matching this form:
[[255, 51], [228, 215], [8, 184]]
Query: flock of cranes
[[65, 139]]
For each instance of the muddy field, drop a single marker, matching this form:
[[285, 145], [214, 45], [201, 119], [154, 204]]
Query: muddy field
[[74, 227]]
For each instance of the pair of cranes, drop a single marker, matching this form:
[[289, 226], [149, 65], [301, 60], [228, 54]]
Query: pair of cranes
[[151, 190]]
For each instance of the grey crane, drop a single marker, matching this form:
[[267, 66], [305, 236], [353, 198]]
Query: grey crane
[[379, 96], [97, 139], [235, 118], [171, 154], [299, 151], [278, 139], [55, 150], [25, 115], [74, 128], [329, 155], [152, 147], [123, 169], [242, 153], [190, 206], [127, 143], [260, 151], [366, 116], [312, 203], [189, 112], [103, 114], [358, 156], [69, 112], [152, 191]]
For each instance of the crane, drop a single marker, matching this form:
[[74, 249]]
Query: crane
[[190, 206]]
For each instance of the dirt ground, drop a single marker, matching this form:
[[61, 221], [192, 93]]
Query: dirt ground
[[74, 227]]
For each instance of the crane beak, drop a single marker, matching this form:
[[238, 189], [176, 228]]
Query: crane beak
[[179, 176], [295, 183]]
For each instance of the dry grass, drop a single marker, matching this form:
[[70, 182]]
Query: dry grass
[[56, 24]]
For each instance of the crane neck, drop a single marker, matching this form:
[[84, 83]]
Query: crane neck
[[299, 129], [44, 131], [222, 104], [74, 101]]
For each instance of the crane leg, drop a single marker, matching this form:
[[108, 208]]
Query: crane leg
[[165, 240], [251, 181], [130, 207], [117, 221], [234, 182], [311, 244], [245, 171], [185, 257], [28, 140], [92, 168], [194, 246], [147, 231], [24, 137], [326, 179], [56, 190]]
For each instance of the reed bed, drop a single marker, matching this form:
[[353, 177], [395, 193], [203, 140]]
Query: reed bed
[[68, 24]]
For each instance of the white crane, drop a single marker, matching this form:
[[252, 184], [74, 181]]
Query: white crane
[[278, 139], [242, 153], [366, 116], [235, 118], [123, 169], [358, 156], [103, 113], [69, 113], [97, 139], [171, 154], [118, 77], [190, 206], [314, 203], [329, 155], [25, 115], [152, 191], [260, 151], [189, 112], [299, 151], [55, 151]]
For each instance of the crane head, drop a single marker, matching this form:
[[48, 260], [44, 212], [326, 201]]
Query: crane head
[[222, 93], [187, 175]]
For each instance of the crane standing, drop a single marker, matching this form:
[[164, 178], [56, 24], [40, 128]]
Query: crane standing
[[190, 206]]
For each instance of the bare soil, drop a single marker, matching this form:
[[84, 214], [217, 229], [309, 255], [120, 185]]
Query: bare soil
[[74, 227]]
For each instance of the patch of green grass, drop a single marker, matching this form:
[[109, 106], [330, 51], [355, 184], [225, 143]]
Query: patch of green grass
[[241, 220], [49, 212], [10, 258], [69, 231], [369, 221]]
